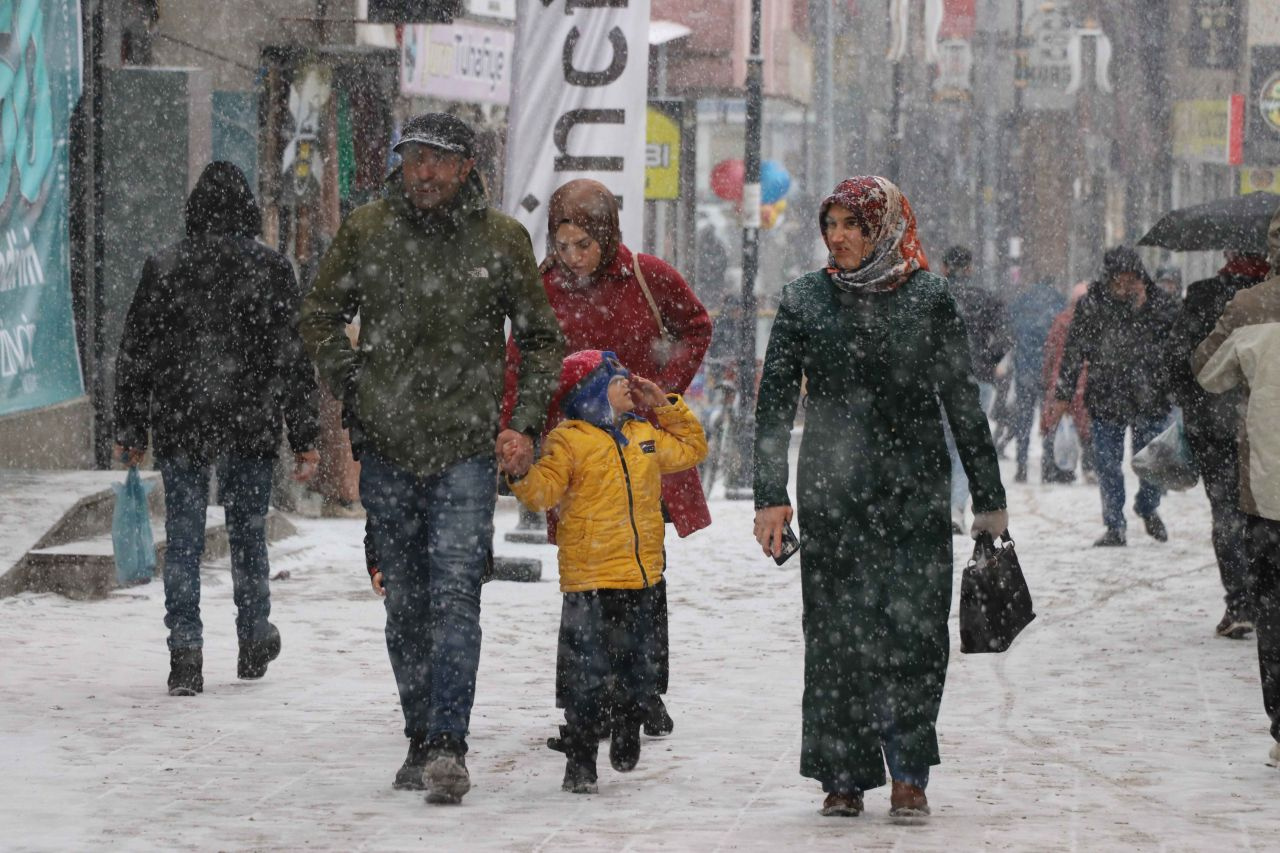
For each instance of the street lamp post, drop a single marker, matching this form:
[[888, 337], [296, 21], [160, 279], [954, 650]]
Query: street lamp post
[[739, 486]]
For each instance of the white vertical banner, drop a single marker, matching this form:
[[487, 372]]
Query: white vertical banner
[[578, 107]]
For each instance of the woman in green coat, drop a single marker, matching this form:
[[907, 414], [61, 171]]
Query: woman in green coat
[[883, 351]]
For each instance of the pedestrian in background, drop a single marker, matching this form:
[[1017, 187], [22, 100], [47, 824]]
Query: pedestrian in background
[[1032, 312], [606, 297], [879, 341], [434, 273], [1243, 351], [1212, 422], [1120, 329], [212, 367], [986, 322], [1050, 414]]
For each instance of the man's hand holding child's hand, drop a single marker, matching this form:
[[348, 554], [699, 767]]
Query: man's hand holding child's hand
[[515, 453]]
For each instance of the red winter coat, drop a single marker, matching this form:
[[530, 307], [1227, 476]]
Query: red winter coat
[[1054, 346], [611, 313]]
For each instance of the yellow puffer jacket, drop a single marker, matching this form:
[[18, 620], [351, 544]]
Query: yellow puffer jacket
[[610, 532]]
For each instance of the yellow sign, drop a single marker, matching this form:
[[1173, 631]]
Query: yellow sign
[[661, 157], [1260, 180], [1202, 130]]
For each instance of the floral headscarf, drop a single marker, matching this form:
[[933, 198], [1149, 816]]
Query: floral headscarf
[[593, 208], [885, 218]]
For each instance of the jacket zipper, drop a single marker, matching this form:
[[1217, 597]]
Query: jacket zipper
[[631, 514]]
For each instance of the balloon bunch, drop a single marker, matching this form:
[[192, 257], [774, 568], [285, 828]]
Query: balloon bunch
[[727, 178]]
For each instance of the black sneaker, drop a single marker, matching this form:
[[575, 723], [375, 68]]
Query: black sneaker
[[445, 773], [1155, 527], [657, 722], [1020, 476], [1234, 626], [186, 672], [409, 776], [256, 654], [624, 746], [1113, 538]]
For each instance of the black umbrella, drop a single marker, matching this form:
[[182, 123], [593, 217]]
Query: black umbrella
[[1238, 223]]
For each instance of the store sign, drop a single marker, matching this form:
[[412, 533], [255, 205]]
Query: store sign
[[578, 107], [457, 62], [504, 9], [1262, 124], [1209, 131], [40, 68], [1260, 180], [661, 156], [955, 70], [1213, 40], [1048, 69]]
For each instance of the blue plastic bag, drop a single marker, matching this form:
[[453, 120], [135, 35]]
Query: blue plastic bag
[[135, 549]]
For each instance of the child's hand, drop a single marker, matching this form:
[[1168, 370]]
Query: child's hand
[[646, 393], [516, 457]]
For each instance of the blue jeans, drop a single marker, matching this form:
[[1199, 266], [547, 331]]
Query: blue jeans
[[959, 479], [1108, 460], [246, 494], [434, 537]]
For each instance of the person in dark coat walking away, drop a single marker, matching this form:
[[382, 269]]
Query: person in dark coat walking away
[[212, 366], [1212, 422], [880, 343], [434, 274], [1244, 351], [1120, 329], [603, 466], [987, 324], [606, 297], [1032, 312]]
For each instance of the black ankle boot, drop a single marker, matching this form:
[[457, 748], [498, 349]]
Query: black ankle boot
[[256, 654], [624, 743], [186, 672], [409, 776], [580, 749]]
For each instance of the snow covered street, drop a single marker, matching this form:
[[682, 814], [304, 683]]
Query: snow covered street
[[1118, 721]]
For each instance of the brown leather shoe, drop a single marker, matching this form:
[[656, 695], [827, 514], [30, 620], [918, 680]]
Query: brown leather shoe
[[842, 804], [907, 801]]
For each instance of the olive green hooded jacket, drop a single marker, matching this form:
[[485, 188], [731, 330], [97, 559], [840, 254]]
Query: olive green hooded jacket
[[433, 290]]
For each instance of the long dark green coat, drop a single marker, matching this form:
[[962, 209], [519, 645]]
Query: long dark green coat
[[874, 507]]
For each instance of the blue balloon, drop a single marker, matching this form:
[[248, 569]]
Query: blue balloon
[[775, 181]]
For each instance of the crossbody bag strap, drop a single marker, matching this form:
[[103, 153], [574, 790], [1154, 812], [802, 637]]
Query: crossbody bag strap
[[644, 286]]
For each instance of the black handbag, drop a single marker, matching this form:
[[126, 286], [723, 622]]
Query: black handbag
[[995, 604]]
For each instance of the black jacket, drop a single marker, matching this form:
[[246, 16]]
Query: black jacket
[[210, 358], [987, 322], [1213, 415], [1123, 347]]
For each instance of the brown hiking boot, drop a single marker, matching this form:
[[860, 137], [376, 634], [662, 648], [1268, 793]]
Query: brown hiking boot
[[908, 801], [842, 804]]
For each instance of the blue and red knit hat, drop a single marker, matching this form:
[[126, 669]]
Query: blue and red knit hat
[[584, 387]]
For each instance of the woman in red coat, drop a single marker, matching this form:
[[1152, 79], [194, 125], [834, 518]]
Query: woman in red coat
[[639, 307]]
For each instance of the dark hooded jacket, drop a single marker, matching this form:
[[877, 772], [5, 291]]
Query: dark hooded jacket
[[1123, 347], [211, 361], [986, 320]]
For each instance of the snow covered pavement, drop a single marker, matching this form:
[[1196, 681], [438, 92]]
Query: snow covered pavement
[[1118, 721]]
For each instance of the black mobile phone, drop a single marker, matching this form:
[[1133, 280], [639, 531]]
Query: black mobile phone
[[790, 545]]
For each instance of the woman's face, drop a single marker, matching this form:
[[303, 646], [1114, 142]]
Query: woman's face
[[849, 246], [577, 250]]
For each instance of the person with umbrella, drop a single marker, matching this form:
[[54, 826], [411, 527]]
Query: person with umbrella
[[1212, 422]]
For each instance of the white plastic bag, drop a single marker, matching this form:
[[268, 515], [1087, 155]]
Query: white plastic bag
[[1066, 445]]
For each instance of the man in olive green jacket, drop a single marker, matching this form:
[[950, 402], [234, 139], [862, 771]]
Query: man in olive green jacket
[[434, 273]]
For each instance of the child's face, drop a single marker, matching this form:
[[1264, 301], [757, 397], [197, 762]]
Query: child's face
[[620, 394]]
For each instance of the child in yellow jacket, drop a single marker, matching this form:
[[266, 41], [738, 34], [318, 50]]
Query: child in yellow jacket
[[603, 468]]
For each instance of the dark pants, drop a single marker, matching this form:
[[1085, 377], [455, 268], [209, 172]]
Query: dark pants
[[246, 494], [1108, 456], [1219, 462], [661, 650], [1263, 547], [433, 536], [1028, 390], [607, 655]]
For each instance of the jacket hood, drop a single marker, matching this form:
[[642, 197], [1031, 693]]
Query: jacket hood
[[223, 203]]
